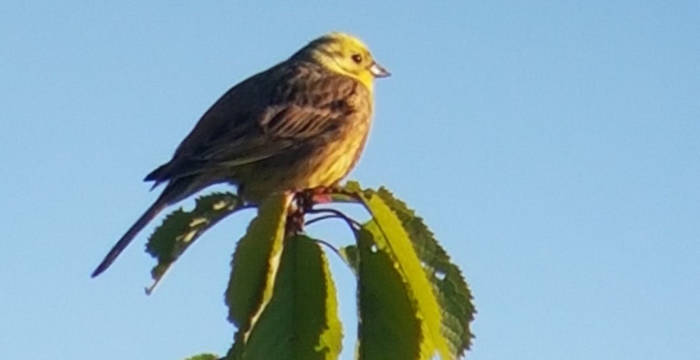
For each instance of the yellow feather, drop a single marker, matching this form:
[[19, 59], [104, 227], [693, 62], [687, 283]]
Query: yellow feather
[[335, 52], [234, 142]]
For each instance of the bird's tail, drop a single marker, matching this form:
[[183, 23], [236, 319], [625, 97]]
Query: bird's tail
[[147, 216], [176, 190]]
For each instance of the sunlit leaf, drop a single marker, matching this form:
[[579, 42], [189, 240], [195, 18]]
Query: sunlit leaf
[[413, 301], [301, 321], [181, 228], [255, 264], [389, 326], [400, 248], [203, 357], [451, 289]]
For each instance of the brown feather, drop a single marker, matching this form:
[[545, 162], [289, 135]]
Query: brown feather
[[298, 125], [293, 106]]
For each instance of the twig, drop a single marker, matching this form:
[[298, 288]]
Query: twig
[[324, 217], [353, 224]]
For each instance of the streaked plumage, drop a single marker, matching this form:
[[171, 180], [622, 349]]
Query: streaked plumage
[[299, 125]]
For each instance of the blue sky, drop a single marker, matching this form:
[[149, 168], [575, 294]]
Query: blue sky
[[551, 146]]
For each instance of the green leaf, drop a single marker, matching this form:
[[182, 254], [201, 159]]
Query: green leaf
[[301, 321], [203, 357], [400, 248], [350, 256], [352, 186], [389, 325], [255, 264], [447, 280], [181, 228]]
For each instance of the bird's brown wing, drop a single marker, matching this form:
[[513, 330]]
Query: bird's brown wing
[[268, 114]]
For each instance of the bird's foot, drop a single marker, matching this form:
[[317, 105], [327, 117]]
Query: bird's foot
[[304, 201]]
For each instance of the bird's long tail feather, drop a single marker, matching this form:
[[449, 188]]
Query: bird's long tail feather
[[147, 216]]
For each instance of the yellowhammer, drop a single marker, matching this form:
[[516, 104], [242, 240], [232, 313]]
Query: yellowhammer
[[299, 125]]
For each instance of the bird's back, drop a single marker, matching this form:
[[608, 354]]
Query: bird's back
[[291, 127]]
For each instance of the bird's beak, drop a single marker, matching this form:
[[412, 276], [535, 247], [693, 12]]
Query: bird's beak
[[378, 71]]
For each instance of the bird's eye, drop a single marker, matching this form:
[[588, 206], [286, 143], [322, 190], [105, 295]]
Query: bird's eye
[[357, 58]]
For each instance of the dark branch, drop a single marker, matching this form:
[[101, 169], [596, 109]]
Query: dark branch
[[353, 224]]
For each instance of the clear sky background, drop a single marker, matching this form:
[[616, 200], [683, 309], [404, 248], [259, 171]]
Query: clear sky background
[[552, 146]]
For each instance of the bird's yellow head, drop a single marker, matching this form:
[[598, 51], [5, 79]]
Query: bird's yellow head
[[344, 54]]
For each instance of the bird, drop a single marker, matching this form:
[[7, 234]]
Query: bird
[[301, 124]]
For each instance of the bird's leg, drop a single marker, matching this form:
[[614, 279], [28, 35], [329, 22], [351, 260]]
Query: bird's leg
[[319, 195], [295, 218], [304, 201]]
